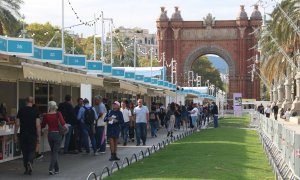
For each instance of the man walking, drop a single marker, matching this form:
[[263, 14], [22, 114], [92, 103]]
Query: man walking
[[30, 131], [141, 113], [69, 116], [125, 126], [275, 110], [100, 130], [215, 113], [87, 116]]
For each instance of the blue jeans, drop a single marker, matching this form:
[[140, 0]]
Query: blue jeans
[[124, 131], [154, 125], [54, 139], [68, 138], [194, 121], [215, 120], [141, 132], [87, 132], [177, 122], [101, 138]]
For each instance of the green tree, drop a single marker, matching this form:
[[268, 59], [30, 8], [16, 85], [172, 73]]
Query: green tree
[[44, 33], [146, 62], [123, 52], [9, 14], [274, 65], [205, 69], [87, 44]]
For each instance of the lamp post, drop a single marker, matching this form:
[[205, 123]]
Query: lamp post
[[134, 52], [63, 26], [23, 31]]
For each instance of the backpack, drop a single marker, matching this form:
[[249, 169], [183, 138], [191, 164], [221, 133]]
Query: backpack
[[152, 116], [162, 111], [89, 115]]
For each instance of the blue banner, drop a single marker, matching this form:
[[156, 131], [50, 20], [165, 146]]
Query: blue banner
[[166, 84], [147, 79], [139, 77], [37, 52], [174, 86], [118, 72], [74, 60], [53, 54], [154, 80], [160, 82], [18, 46], [171, 85], [94, 65], [3, 44], [107, 68], [129, 75]]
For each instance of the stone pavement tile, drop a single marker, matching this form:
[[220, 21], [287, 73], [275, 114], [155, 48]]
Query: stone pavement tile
[[76, 166]]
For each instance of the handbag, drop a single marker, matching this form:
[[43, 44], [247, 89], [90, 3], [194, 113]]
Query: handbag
[[62, 129]]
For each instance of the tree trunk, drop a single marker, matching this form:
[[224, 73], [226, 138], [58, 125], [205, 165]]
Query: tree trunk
[[1, 29]]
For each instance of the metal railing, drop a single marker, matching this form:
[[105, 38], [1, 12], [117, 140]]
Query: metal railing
[[106, 171], [279, 143]]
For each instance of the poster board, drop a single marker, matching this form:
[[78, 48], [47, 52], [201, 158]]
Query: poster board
[[237, 104]]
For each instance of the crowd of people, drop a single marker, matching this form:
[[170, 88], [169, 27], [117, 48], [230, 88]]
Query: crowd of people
[[90, 126], [273, 108]]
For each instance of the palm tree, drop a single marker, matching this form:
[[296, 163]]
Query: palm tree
[[9, 14], [274, 64], [123, 51]]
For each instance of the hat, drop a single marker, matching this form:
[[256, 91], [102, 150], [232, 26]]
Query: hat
[[117, 103], [85, 101], [98, 97]]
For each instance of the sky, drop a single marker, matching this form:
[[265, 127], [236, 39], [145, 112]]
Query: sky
[[129, 13]]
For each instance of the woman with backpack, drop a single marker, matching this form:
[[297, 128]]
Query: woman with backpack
[[114, 119], [170, 119], [53, 119], [153, 119]]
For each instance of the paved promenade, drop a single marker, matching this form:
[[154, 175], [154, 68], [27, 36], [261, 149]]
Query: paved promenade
[[76, 166]]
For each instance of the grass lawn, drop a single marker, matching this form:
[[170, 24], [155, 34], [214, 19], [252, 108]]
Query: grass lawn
[[222, 153]]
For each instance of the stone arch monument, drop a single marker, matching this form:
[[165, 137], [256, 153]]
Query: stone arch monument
[[232, 40]]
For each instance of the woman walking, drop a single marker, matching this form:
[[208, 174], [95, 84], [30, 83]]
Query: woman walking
[[52, 119], [153, 119], [170, 119], [114, 119], [131, 123]]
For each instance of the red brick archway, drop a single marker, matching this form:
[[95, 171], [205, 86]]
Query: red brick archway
[[232, 40]]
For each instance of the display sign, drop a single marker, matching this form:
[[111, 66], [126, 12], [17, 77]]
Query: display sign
[[139, 77], [129, 75], [74, 60], [118, 72], [94, 65], [147, 79], [154, 80], [107, 68], [37, 52], [160, 82], [19, 46], [174, 86], [3, 44], [166, 83], [54, 54], [237, 104]]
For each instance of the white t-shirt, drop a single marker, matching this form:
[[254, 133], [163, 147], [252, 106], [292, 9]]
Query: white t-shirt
[[287, 115], [268, 110], [141, 114], [126, 114], [196, 112]]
